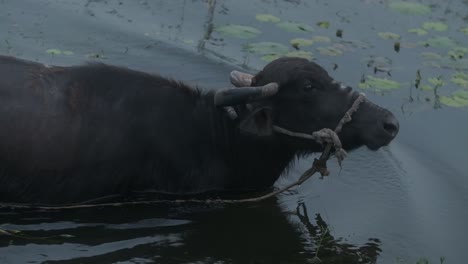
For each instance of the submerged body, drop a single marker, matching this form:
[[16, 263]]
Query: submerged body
[[70, 134]]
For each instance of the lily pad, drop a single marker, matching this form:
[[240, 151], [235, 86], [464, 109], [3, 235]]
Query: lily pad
[[410, 8], [379, 84], [266, 48], [324, 24], [457, 99], [238, 31], [458, 53], [461, 94], [436, 82], [418, 31], [464, 30], [426, 87], [439, 42], [377, 61], [324, 39], [460, 79], [437, 26], [459, 65], [295, 27], [301, 42], [54, 51], [431, 56], [330, 51], [267, 18], [301, 54], [271, 57], [59, 52], [389, 35]]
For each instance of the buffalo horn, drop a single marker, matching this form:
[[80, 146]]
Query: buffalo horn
[[234, 96], [241, 79]]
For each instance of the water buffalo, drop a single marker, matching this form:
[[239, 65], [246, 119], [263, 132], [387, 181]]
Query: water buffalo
[[69, 134]]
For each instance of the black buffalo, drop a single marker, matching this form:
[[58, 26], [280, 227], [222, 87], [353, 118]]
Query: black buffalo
[[69, 134]]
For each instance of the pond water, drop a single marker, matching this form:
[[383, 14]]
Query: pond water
[[405, 203]]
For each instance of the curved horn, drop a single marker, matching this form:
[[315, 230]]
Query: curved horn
[[233, 96], [241, 79]]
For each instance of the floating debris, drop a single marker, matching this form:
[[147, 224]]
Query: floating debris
[[396, 46], [339, 33]]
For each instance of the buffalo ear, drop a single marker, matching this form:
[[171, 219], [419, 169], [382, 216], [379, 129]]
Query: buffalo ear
[[259, 122]]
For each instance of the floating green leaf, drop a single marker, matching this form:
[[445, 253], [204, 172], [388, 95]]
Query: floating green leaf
[[426, 87], [301, 54], [436, 82], [460, 65], [373, 61], [54, 51], [267, 18], [323, 24], [266, 48], [460, 79], [379, 84], [297, 42], [437, 26], [410, 8], [431, 56], [59, 52], [95, 56], [271, 57], [457, 99], [464, 30], [295, 27], [439, 42], [330, 51], [238, 31], [457, 53], [418, 31], [321, 39], [389, 35]]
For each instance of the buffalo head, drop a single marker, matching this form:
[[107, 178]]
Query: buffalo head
[[299, 95]]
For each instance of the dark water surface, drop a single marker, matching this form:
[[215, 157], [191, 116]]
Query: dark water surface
[[397, 205]]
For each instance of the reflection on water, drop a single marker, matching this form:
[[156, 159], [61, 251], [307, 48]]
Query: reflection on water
[[260, 233]]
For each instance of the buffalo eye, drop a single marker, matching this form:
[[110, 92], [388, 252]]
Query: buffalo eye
[[308, 87]]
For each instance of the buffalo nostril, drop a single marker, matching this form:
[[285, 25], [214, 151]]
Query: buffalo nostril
[[391, 126]]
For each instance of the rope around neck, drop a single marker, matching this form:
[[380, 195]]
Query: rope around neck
[[319, 165]]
